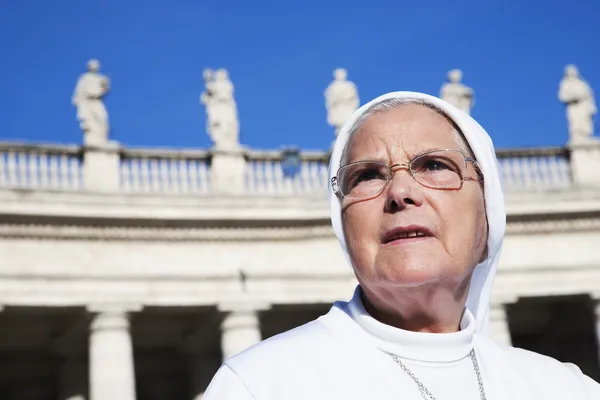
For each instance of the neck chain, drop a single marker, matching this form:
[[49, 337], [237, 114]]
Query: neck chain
[[425, 393]]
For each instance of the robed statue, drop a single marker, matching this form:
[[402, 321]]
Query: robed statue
[[222, 122], [581, 107], [88, 98], [341, 99], [457, 93]]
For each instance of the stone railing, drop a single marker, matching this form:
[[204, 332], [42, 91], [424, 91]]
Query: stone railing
[[164, 171], [111, 168], [27, 166], [535, 168], [267, 173]]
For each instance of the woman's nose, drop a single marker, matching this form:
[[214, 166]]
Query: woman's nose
[[403, 190]]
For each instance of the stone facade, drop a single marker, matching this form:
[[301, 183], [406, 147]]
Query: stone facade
[[129, 275]]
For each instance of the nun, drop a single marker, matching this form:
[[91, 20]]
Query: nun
[[418, 207]]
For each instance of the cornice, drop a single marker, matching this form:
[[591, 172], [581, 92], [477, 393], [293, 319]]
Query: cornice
[[246, 234], [554, 225], [224, 234]]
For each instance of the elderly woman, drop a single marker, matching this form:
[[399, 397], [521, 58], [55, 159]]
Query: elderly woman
[[418, 207]]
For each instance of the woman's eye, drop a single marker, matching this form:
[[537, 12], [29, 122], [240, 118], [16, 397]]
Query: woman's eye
[[369, 175], [365, 176], [435, 165]]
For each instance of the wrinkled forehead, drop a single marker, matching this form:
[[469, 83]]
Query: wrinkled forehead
[[401, 131]]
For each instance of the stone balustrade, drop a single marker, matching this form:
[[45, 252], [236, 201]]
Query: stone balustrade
[[267, 173], [40, 167], [250, 172], [143, 171], [535, 168]]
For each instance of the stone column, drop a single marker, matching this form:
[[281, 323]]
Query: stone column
[[112, 375], [499, 329], [227, 171], [240, 328], [585, 163], [101, 167]]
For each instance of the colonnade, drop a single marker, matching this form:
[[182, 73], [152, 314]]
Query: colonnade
[[111, 359], [111, 362]]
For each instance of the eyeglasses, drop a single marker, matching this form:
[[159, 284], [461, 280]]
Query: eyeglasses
[[436, 169]]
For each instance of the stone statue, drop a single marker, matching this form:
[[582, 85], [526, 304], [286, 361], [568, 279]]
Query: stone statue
[[221, 110], [341, 99], [581, 107], [456, 93], [93, 119]]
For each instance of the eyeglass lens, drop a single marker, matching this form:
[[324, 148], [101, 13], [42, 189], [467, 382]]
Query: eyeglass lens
[[439, 169]]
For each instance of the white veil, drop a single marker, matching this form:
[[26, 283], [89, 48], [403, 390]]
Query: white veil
[[480, 291]]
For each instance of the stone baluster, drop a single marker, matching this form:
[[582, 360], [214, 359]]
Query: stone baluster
[[112, 374], [269, 177], [509, 173], [23, 169], [145, 174], [240, 328], [181, 174], [155, 181], [11, 167], [203, 177]]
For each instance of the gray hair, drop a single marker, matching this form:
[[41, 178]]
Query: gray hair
[[390, 104]]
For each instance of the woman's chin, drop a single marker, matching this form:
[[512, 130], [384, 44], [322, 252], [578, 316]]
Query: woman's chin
[[409, 275]]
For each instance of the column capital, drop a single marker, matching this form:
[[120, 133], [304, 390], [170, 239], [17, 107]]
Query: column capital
[[114, 308], [111, 316], [240, 329], [110, 321]]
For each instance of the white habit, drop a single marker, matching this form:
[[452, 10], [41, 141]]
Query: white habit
[[345, 354]]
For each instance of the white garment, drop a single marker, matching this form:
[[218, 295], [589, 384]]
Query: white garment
[[343, 355]]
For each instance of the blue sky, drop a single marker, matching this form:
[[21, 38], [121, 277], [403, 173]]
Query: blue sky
[[280, 56]]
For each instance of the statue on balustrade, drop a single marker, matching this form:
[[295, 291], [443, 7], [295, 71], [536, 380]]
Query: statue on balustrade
[[341, 99], [222, 122], [88, 98], [581, 107], [456, 93]]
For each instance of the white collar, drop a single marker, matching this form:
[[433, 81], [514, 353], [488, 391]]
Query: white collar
[[428, 347]]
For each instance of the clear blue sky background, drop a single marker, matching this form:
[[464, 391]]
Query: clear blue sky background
[[280, 56]]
